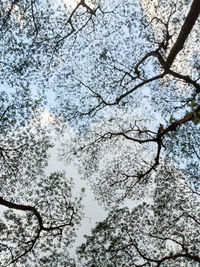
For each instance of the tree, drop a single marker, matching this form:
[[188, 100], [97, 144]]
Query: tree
[[110, 65], [32, 35], [39, 213], [174, 91], [44, 230], [126, 147], [161, 230]]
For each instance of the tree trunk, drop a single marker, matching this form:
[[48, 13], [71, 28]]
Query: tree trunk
[[185, 31]]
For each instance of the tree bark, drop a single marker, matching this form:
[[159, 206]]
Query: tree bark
[[184, 33], [12, 205]]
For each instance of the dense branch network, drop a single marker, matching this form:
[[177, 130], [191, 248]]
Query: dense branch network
[[30, 243], [34, 37], [52, 215], [160, 234], [132, 171], [166, 66]]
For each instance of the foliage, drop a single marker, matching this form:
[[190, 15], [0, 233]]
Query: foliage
[[120, 77], [126, 77], [43, 238], [40, 214], [124, 141], [162, 230]]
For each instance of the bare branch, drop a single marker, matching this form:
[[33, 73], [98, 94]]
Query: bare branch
[[184, 33]]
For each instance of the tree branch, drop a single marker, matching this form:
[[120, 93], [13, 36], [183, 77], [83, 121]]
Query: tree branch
[[184, 33], [30, 244]]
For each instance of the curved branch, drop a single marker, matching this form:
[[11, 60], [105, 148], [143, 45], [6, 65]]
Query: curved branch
[[31, 243], [166, 258], [185, 78], [32, 209]]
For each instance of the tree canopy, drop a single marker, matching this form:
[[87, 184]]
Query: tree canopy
[[124, 75]]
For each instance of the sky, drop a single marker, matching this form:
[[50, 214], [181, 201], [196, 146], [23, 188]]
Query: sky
[[93, 211]]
